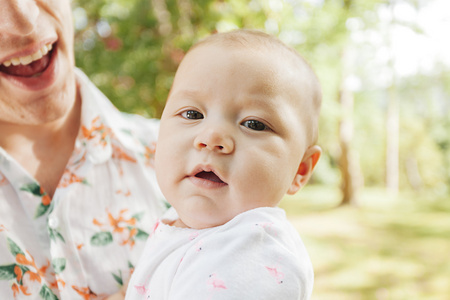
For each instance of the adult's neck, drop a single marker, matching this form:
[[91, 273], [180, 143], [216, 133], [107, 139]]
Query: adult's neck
[[44, 149]]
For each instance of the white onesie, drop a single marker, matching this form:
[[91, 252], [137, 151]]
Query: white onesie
[[258, 255]]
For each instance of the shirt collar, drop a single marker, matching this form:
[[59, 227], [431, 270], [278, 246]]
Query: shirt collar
[[103, 125], [95, 130]]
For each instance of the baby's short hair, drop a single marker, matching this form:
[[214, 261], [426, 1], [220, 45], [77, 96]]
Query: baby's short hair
[[252, 39]]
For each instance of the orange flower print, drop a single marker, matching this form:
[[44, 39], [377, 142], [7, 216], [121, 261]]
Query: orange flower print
[[22, 260], [84, 292], [45, 198], [15, 289], [97, 131], [120, 154], [124, 227], [149, 154], [19, 288], [24, 290], [126, 193], [24, 271], [130, 240], [18, 271], [97, 223], [43, 269], [69, 178], [118, 224], [34, 276], [59, 282]]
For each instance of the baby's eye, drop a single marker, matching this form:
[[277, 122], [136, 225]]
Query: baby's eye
[[192, 114], [255, 125]]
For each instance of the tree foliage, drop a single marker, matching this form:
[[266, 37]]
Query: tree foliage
[[131, 49]]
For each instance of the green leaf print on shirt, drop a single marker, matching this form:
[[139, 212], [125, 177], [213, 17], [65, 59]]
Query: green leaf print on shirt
[[118, 278], [138, 216], [53, 233], [47, 294], [141, 234], [40, 211], [59, 264], [102, 238], [7, 272], [13, 248], [35, 189]]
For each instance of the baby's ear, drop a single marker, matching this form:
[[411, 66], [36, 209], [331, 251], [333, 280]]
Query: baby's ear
[[305, 169]]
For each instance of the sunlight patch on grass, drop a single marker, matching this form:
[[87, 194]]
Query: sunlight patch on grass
[[381, 249]]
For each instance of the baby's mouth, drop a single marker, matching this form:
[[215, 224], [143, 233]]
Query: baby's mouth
[[211, 176], [29, 66]]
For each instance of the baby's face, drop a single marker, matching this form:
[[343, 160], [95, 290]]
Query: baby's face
[[232, 135]]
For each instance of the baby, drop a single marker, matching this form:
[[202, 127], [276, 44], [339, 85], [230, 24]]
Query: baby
[[238, 132]]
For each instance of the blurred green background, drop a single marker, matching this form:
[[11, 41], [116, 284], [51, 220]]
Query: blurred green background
[[375, 215]]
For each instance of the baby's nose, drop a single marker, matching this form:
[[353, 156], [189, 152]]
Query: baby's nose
[[214, 140]]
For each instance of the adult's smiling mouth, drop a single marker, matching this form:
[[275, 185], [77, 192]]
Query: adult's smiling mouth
[[32, 71], [32, 65]]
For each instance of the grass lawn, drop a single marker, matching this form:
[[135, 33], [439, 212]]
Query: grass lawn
[[382, 249]]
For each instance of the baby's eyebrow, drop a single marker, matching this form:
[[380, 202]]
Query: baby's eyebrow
[[189, 93], [255, 101]]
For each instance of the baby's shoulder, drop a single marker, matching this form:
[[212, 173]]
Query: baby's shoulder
[[254, 249]]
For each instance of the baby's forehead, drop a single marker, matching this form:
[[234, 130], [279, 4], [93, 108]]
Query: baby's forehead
[[258, 55], [268, 50], [273, 69]]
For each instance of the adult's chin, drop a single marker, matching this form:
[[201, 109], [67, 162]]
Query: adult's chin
[[40, 107]]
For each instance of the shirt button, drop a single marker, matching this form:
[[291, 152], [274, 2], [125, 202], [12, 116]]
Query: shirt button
[[53, 222]]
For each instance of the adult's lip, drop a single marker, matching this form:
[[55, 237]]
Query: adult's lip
[[31, 69], [29, 50]]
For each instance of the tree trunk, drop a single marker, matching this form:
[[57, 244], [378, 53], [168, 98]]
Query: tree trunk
[[349, 159], [392, 142]]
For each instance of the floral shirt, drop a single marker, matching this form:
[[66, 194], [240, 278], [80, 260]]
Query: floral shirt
[[85, 241]]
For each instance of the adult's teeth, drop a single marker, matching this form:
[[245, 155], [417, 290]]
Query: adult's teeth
[[25, 60], [36, 56], [15, 61]]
